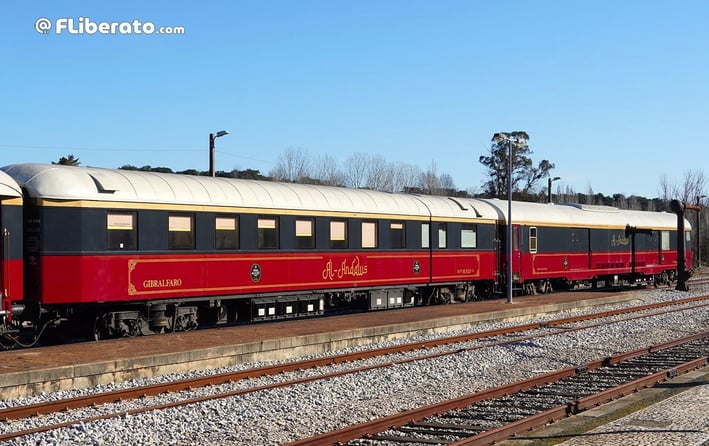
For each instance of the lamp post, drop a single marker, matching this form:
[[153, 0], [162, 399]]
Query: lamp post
[[498, 138], [699, 231], [212, 137], [549, 188]]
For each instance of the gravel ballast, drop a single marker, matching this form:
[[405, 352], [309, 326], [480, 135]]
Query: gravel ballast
[[277, 416]]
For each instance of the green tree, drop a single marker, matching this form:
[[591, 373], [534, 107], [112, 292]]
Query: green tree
[[525, 175], [68, 161], [249, 174]]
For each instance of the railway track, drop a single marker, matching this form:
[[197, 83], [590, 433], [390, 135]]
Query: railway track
[[496, 414], [494, 337], [701, 280]]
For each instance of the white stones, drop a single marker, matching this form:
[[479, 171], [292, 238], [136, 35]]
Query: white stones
[[276, 416]]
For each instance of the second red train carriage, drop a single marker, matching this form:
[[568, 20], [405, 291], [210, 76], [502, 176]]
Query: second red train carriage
[[564, 245]]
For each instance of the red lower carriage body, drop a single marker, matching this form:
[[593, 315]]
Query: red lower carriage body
[[74, 279], [580, 267]]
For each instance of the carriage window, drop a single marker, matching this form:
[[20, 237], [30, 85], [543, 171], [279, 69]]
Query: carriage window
[[304, 237], [267, 235], [533, 240], [425, 235], [122, 231], [397, 235], [665, 240], [369, 234], [468, 235], [338, 234], [227, 233], [180, 232], [442, 235]]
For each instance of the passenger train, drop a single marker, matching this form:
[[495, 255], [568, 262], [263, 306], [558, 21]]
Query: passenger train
[[126, 253]]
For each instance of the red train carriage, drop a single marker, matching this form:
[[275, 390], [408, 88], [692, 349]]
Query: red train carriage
[[133, 252], [565, 245], [11, 267]]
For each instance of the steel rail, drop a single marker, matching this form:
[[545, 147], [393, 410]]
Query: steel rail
[[362, 430]]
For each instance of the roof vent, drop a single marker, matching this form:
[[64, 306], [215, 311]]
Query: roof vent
[[460, 205], [463, 208], [104, 183], [591, 207]]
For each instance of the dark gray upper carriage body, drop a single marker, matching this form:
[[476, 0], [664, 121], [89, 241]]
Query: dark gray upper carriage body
[[149, 190], [10, 220], [10, 217], [571, 227]]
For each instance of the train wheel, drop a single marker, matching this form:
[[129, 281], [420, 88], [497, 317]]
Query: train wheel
[[530, 289], [99, 331], [485, 291]]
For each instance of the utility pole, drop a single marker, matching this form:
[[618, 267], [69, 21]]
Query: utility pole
[[212, 137], [549, 187], [699, 231], [682, 274]]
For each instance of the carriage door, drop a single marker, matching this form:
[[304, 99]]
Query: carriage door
[[11, 286], [4, 261], [516, 252], [3, 255], [664, 246]]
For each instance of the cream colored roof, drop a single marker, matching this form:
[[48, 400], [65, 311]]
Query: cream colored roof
[[87, 183], [8, 186], [584, 215], [48, 181], [456, 207]]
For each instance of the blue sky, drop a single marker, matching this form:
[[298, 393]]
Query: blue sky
[[616, 94]]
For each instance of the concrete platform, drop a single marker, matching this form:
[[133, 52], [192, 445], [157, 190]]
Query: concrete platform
[[46, 369]]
